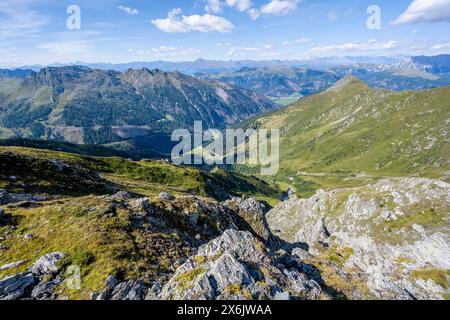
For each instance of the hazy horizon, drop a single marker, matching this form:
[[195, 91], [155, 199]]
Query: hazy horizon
[[44, 32]]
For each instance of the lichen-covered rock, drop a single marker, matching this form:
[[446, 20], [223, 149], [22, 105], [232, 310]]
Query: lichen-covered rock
[[233, 266], [14, 287], [395, 232], [47, 264]]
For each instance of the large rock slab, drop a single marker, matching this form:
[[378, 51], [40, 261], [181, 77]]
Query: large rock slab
[[14, 287]]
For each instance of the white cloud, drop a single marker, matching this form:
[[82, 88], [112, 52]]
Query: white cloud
[[20, 21], [214, 6], [165, 52], [298, 41], [128, 10], [178, 23], [425, 11], [254, 14], [240, 5], [371, 45], [237, 51], [441, 46], [9, 56], [280, 7], [67, 48], [332, 15]]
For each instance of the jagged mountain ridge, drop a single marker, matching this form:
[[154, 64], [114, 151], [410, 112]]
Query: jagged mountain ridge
[[83, 105], [278, 81]]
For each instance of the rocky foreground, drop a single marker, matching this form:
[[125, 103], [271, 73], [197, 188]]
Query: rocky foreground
[[389, 240]]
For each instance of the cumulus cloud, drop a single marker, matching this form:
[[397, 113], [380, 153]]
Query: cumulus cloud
[[254, 14], [176, 22], [128, 10], [273, 7], [425, 11], [215, 6], [280, 7], [240, 5]]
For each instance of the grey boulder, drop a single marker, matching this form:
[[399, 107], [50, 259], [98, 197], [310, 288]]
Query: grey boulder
[[14, 287]]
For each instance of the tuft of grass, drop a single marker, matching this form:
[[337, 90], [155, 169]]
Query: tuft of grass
[[185, 280], [440, 277]]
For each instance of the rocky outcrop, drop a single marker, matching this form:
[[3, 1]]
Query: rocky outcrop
[[253, 212], [31, 284], [394, 232], [237, 266], [130, 290], [47, 264], [14, 287]]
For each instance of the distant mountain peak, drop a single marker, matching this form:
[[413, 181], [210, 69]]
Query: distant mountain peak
[[348, 81]]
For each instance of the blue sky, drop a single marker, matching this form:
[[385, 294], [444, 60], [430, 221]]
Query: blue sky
[[35, 32]]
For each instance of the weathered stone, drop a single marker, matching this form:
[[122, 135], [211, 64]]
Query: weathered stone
[[154, 291], [300, 254], [14, 287], [353, 225], [47, 264], [111, 282], [142, 204], [232, 266], [45, 290], [130, 290], [2, 213], [4, 197], [122, 195], [254, 213], [12, 265], [282, 296], [166, 196]]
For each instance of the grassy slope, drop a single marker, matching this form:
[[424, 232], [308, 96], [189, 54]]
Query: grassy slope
[[52, 172], [95, 231], [352, 134]]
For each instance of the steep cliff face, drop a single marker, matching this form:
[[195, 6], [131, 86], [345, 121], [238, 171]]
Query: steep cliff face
[[394, 232]]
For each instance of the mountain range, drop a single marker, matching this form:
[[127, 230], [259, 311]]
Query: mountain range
[[82, 105]]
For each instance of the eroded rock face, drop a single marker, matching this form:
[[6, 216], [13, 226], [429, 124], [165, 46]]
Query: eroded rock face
[[237, 266], [396, 232], [254, 213]]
